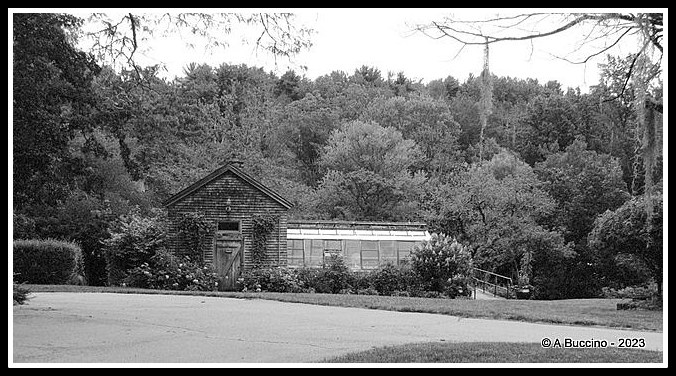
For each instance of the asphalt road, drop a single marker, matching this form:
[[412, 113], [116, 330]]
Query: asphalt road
[[137, 328]]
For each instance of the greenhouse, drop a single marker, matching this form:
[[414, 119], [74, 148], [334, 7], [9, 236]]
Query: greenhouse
[[363, 245]]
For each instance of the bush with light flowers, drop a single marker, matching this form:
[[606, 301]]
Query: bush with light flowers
[[165, 271], [443, 265]]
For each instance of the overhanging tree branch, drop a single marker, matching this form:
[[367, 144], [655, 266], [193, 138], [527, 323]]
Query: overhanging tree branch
[[281, 34], [509, 29], [451, 28]]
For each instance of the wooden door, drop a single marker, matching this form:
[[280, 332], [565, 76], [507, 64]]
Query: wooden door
[[228, 259]]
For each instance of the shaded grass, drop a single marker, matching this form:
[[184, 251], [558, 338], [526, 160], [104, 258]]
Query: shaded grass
[[587, 312], [488, 352]]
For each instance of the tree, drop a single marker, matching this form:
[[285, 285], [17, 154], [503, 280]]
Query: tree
[[329, 86], [636, 135], [609, 28], [402, 85], [305, 127], [367, 76], [52, 102], [426, 121], [245, 96], [584, 185], [551, 124], [368, 176], [624, 230], [465, 111], [289, 85], [496, 207], [118, 38], [199, 82], [443, 89]]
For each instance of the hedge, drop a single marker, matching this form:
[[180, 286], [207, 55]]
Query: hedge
[[48, 262]]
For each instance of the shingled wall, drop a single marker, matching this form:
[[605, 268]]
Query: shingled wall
[[245, 201]]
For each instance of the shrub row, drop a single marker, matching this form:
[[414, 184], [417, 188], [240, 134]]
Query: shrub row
[[334, 277], [630, 292], [135, 256], [48, 262]]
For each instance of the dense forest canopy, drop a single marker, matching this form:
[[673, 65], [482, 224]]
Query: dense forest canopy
[[92, 144]]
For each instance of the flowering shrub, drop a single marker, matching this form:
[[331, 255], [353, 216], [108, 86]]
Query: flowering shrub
[[133, 242], [308, 277], [334, 277], [168, 272], [272, 279], [443, 265]]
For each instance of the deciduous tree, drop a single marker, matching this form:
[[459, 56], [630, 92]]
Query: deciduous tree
[[624, 230], [368, 174]]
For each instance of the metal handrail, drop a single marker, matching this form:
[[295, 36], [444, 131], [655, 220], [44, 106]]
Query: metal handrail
[[508, 290], [495, 274], [497, 290]]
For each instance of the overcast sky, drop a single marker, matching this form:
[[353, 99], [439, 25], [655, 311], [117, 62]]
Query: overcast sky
[[346, 39]]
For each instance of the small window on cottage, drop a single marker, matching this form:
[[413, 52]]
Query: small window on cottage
[[228, 226]]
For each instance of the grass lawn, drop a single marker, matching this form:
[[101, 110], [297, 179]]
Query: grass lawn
[[588, 312], [488, 352]]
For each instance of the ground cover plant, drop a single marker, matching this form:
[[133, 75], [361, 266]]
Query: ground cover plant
[[486, 352]]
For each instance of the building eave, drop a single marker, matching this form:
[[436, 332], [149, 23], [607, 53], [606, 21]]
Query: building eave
[[220, 172]]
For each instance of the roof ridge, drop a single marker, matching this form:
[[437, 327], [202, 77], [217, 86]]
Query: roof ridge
[[218, 173]]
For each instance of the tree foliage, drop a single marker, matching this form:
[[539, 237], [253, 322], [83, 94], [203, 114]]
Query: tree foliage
[[428, 122], [51, 104], [497, 208], [521, 186], [584, 185], [627, 230], [368, 173]]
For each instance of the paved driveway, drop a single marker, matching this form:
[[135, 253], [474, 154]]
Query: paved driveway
[[138, 328]]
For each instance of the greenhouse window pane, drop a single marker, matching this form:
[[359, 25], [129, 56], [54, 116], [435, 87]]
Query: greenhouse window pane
[[369, 254], [352, 254], [404, 248], [388, 251], [295, 252]]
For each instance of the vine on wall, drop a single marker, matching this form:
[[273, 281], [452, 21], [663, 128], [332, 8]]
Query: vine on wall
[[262, 226], [192, 229]]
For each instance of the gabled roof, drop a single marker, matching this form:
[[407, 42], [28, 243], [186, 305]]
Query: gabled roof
[[218, 173]]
